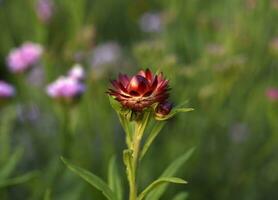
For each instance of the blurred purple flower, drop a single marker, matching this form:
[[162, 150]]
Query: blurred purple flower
[[105, 54], [151, 22], [272, 94], [45, 9], [22, 58], [36, 76], [30, 112], [6, 90], [65, 88], [77, 72]]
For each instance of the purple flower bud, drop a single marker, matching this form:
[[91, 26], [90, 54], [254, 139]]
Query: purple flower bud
[[77, 72], [272, 94], [6, 90], [65, 88], [22, 58]]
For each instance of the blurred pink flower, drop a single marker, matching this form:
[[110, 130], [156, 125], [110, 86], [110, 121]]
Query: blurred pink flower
[[22, 58], [272, 94], [77, 72], [6, 90], [65, 88], [45, 9]]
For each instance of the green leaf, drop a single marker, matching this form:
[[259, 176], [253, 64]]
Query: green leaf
[[18, 180], [159, 182], [124, 115], [114, 180], [128, 128], [115, 104], [144, 122], [173, 112], [92, 179], [170, 171], [9, 167], [151, 137], [181, 196]]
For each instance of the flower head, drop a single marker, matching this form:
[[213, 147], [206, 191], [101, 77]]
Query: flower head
[[140, 91], [65, 89], [22, 58], [272, 94], [6, 91], [77, 72]]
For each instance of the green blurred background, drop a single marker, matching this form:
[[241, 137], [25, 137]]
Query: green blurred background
[[221, 55]]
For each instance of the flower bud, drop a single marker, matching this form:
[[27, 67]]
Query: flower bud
[[163, 109]]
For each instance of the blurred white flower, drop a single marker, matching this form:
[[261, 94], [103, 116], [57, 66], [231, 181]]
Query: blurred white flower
[[151, 22], [77, 72]]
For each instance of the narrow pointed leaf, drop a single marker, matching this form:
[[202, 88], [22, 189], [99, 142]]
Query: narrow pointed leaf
[[18, 180], [115, 104], [92, 179], [171, 170], [10, 166], [177, 109], [174, 112], [158, 183], [114, 180], [151, 137]]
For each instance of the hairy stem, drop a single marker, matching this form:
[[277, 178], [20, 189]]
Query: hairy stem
[[135, 147]]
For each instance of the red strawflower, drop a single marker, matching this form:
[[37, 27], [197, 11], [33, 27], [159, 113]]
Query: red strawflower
[[141, 90]]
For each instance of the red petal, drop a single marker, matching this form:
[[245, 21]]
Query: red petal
[[124, 80], [138, 84], [149, 75]]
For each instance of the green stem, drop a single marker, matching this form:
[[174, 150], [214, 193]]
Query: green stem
[[66, 135], [137, 137]]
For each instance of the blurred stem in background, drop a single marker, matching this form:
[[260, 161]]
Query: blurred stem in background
[[66, 133]]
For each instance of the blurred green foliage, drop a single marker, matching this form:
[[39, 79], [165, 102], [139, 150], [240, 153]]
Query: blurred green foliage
[[219, 54]]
